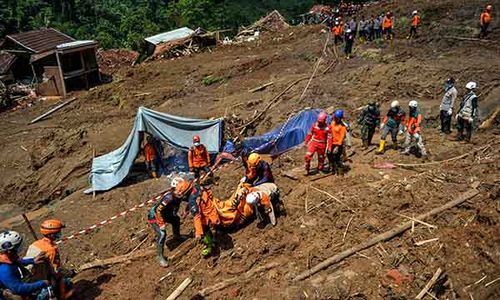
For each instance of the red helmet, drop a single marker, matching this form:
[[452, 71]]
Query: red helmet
[[322, 117], [196, 139]]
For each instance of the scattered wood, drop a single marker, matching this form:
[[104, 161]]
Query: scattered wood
[[442, 161], [488, 123], [331, 196], [491, 282], [140, 244], [347, 228], [418, 221], [259, 88], [178, 291], [164, 277], [228, 282], [142, 94], [24, 148], [429, 284], [384, 236], [315, 67], [467, 39], [420, 243], [53, 110], [289, 175], [369, 150]]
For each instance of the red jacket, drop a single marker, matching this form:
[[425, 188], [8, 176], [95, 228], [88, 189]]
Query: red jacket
[[322, 135]]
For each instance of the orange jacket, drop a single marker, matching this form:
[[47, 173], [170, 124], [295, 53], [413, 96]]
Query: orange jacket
[[387, 23], [413, 124], [50, 249], [208, 212], [338, 30], [339, 132], [485, 18], [149, 152], [198, 157], [415, 21]]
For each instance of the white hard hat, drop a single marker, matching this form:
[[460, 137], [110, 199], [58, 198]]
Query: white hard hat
[[394, 103], [413, 103], [348, 30], [253, 198], [10, 240], [471, 85], [175, 181], [415, 12]]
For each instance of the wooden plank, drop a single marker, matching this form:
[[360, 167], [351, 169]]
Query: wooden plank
[[53, 110]]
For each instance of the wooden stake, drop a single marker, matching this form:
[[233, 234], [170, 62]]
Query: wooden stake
[[53, 110], [347, 228], [383, 237], [331, 196], [178, 291], [491, 282], [429, 284], [426, 241], [261, 87]]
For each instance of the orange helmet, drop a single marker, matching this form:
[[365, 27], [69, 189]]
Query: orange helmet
[[253, 160], [181, 188], [51, 226]]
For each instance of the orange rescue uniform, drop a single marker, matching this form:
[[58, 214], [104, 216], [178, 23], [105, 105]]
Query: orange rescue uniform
[[485, 18], [338, 30], [415, 21], [413, 124], [149, 152], [387, 23], [198, 157], [339, 132], [208, 215]]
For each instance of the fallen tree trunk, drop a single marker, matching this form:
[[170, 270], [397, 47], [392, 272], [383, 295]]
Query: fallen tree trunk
[[384, 236], [223, 284]]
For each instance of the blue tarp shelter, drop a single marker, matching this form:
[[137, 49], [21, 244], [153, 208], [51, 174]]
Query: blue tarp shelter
[[284, 137], [110, 169]]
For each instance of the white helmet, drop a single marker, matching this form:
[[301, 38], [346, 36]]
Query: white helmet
[[471, 85], [10, 240], [175, 181], [414, 12], [253, 198], [394, 103], [413, 103], [348, 30]]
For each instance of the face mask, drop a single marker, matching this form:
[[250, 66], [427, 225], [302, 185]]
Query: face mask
[[197, 144]]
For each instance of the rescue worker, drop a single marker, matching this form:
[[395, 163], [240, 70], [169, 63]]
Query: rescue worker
[[391, 124], [361, 29], [371, 28], [377, 26], [51, 231], [413, 131], [205, 216], [349, 41], [415, 22], [467, 113], [338, 31], [13, 274], [165, 211], [258, 171], [447, 105], [387, 24], [369, 121], [150, 157], [261, 202], [317, 141], [198, 158], [353, 25], [485, 20], [338, 136]]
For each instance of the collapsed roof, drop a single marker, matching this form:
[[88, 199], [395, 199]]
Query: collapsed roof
[[41, 40]]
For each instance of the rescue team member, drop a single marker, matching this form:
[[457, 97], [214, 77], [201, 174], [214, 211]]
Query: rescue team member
[[317, 141], [447, 104], [165, 211], [485, 20], [205, 216], [258, 171], [349, 41], [335, 152], [150, 157], [369, 121], [338, 31], [387, 24], [198, 158], [51, 231], [261, 202], [415, 22], [13, 272], [413, 131], [391, 124], [467, 113]]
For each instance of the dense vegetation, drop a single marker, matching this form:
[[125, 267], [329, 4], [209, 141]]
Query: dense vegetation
[[124, 23]]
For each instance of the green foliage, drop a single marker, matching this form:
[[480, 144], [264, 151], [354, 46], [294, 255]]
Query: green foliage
[[125, 23], [209, 80]]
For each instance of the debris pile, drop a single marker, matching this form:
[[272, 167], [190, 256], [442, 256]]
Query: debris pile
[[110, 61], [184, 47], [273, 22]]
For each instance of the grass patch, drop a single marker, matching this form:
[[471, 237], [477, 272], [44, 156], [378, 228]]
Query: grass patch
[[209, 80]]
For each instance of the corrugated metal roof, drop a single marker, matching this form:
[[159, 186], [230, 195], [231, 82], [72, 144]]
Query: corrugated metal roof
[[40, 40], [75, 44], [6, 60], [173, 35]]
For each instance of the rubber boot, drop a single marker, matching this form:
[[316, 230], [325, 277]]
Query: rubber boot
[[176, 230], [159, 254], [307, 170], [208, 245], [395, 146], [381, 147]]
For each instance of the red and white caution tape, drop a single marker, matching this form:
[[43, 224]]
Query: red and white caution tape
[[123, 213]]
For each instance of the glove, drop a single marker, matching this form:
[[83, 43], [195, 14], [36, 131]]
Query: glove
[[471, 120], [162, 227], [456, 117], [450, 112], [243, 179], [416, 136], [401, 131], [382, 125], [335, 150]]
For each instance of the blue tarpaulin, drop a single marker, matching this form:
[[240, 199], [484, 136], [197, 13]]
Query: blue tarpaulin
[[110, 169], [284, 137]]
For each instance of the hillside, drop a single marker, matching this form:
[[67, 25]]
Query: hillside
[[49, 178]]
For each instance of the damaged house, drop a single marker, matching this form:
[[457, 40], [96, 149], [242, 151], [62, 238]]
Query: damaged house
[[52, 60]]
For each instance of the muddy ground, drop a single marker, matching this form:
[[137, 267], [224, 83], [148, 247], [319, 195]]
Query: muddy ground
[[45, 167]]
